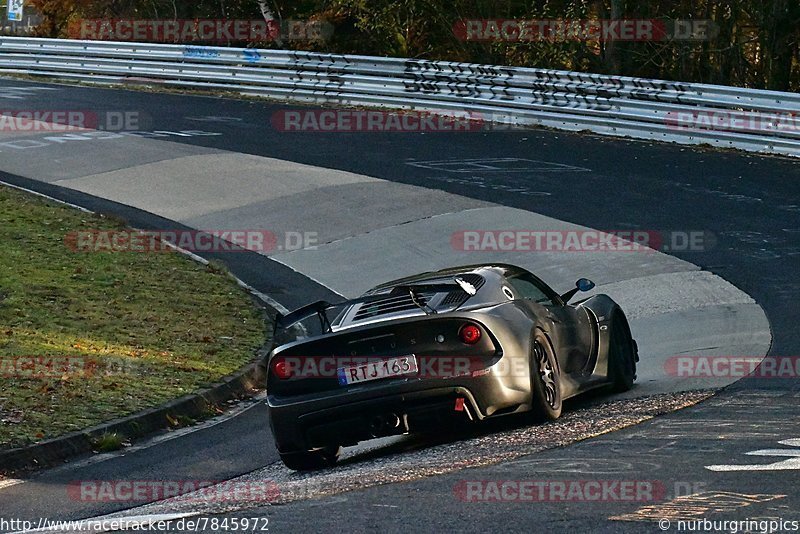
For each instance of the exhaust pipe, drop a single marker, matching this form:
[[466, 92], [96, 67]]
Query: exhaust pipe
[[392, 421], [375, 425], [382, 425]]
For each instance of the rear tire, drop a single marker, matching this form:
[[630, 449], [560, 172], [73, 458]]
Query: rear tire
[[622, 354], [545, 381], [311, 460]]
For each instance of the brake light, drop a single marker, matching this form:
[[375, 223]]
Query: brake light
[[470, 334], [281, 369]]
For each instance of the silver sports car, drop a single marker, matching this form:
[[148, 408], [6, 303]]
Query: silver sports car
[[417, 353]]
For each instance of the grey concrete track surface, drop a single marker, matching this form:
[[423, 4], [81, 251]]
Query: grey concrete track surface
[[371, 229]]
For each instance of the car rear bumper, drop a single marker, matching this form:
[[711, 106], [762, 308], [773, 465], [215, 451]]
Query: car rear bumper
[[349, 417]]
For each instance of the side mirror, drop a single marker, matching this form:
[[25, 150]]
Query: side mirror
[[583, 285]]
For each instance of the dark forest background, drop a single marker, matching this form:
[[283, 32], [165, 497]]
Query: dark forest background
[[756, 45]]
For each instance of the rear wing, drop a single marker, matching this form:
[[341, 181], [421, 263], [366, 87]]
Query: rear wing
[[283, 322], [321, 307]]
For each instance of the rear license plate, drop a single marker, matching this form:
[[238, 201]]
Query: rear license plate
[[403, 365]]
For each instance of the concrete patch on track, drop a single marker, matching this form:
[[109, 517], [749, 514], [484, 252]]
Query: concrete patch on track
[[674, 292], [726, 331], [227, 190], [191, 186], [334, 212], [63, 156]]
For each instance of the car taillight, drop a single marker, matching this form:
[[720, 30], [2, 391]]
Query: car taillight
[[281, 369], [470, 334]]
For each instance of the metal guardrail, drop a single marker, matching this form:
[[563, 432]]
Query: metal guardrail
[[614, 105]]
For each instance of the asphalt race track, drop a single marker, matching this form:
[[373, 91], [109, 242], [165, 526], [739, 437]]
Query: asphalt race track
[[382, 205]]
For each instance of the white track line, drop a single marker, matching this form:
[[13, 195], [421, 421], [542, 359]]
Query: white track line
[[7, 483]]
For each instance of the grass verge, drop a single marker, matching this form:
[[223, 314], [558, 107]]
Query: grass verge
[[86, 337]]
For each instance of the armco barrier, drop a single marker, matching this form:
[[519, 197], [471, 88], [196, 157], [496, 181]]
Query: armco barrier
[[762, 121]]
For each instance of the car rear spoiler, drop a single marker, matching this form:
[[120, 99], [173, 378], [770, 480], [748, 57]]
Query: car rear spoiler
[[285, 321], [321, 306]]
